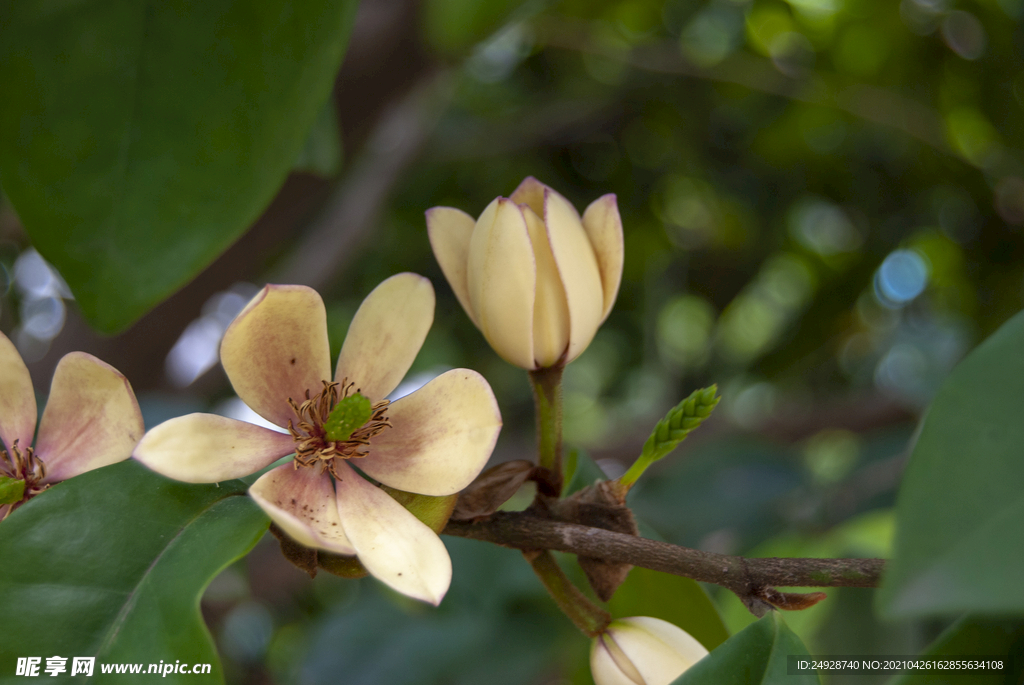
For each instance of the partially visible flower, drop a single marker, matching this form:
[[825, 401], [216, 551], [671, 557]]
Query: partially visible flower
[[534, 277], [642, 651], [431, 442], [91, 420]]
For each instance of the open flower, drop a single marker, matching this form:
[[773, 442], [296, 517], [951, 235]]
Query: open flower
[[91, 420], [642, 651], [534, 277], [432, 442]]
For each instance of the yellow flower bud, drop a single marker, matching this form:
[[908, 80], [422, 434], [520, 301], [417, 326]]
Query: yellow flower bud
[[642, 651], [535, 277]]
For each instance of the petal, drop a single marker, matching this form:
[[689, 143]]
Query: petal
[[578, 267], [603, 225], [203, 448], [17, 397], [550, 311], [450, 231], [91, 418], [276, 349], [609, 666], [395, 547], [502, 281], [530, 193], [441, 436], [660, 650], [303, 504], [386, 334]]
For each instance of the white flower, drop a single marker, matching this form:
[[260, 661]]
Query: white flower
[[534, 277], [432, 442], [643, 651]]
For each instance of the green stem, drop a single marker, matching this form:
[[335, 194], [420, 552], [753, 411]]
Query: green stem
[[547, 396], [587, 616]]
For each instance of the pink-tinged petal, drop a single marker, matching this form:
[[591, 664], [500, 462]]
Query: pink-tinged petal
[[204, 448], [502, 281], [386, 335], [603, 225], [395, 547], [91, 418], [551, 310], [450, 231], [17, 398], [302, 504], [277, 349], [530, 193], [440, 437], [578, 267]]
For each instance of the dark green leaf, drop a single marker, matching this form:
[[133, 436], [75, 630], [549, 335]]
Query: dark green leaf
[[112, 563], [138, 140], [959, 539], [11, 490], [680, 601], [322, 153], [976, 636], [755, 655], [581, 472]]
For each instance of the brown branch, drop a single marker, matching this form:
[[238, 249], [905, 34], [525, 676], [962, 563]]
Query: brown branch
[[748, 578]]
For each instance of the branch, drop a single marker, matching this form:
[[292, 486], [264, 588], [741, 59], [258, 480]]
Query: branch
[[746, 577]]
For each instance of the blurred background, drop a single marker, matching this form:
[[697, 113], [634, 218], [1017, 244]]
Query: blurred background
[[822, 202]]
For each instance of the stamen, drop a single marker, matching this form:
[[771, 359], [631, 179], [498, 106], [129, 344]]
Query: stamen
[[23, 464]]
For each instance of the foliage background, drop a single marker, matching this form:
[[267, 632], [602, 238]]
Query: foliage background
[[822, 202]]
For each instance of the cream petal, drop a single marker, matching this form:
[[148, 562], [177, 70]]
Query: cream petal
[[502, 281], [450, 231], [440, 437], [277, 349], [395, 547], [17, 397], [302, 503], [660, 650], [386, 334], [609, 666], [603, 225], [578, 267], [550, 310], [530, 193], [91, 418], [203, 448]]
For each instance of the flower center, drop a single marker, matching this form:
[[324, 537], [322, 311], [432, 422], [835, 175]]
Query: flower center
[[336, 423], [23, 464]]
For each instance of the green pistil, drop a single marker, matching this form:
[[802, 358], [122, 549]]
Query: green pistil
[[348, 415]]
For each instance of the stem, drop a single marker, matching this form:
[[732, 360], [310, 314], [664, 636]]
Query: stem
[[547, 396], [587, 616]]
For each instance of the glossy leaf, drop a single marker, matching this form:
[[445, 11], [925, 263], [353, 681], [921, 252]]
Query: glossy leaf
[[755, 655], [680, 601], [976, 636], [139, 140], [112, 564], [959, 540]]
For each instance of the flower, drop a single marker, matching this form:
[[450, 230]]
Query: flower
[[91, 420], [432, 442], [642, 651], [534, 277]]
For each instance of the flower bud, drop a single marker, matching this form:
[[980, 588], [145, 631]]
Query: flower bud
[[642, 651], [535, 277]]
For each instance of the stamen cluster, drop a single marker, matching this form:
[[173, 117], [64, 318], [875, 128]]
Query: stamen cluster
[[311, 443], [23, 464]]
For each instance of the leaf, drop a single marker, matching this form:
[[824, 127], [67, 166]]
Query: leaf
[[959, 543], [138, 140], [680, 601], [322, 152], [755, 655], [112, 564], [975, 636], [11, 490]]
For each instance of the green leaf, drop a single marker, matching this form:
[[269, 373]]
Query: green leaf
[[322, 153], [959, 543], [112, 564], [11, 490], [349, 414], [755, 655], [138, 140], [975, 636], [580, 472], [680, 601]]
